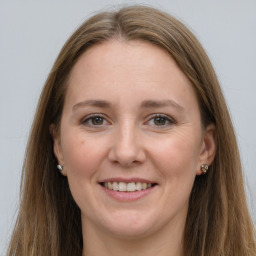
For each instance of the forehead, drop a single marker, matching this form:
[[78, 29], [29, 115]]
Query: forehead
[[128, 56], [115, 69]]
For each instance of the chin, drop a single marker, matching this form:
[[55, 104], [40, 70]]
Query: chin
[[131, 225], [130, 232]]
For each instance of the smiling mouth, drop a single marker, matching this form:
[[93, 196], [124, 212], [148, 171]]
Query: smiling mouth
[[127, 187]]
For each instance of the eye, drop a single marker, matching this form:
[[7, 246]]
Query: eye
[[161, 120], [94, 120]]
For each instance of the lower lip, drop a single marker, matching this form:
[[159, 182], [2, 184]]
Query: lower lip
[[128, 196]]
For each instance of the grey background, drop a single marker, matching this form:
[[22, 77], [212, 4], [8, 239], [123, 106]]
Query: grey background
[[32, 33]]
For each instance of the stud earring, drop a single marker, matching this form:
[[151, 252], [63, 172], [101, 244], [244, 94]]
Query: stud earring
[[59, 167], [204, 168]]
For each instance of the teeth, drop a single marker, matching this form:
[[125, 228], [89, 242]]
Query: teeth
[[131, 187], [109, 185], [122, 186], [138, 186], [144, 185], [127, 187], [115, 186]]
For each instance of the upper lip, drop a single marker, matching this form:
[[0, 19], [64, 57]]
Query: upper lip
[[127, 180]]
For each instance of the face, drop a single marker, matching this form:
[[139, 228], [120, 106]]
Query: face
[[131, 140]]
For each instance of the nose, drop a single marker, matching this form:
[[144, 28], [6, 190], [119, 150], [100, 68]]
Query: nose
[[127, 148]]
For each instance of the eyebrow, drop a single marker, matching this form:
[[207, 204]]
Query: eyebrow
[[94, 103], [144, 104], [161, 103]]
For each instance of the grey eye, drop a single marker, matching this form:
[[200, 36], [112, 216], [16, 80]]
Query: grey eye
[[160, 120], [97, 120], [94, 120]]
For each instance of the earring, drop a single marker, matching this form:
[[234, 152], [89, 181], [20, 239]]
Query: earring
[[204, 168], [59, 167]]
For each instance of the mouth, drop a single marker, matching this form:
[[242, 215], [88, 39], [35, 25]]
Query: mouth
[[127, 186]]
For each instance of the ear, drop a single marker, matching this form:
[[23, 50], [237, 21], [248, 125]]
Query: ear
[[208, 148], [57, 146]]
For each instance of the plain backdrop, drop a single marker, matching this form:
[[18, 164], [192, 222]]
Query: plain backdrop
[[33, 32]]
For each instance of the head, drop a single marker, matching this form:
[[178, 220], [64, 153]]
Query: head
[[212, 196]]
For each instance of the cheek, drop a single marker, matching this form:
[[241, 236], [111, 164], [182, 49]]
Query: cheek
[[82, 155], [178, 154], [176, 160], [82, 158]]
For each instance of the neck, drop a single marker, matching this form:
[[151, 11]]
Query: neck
[[166, 242]]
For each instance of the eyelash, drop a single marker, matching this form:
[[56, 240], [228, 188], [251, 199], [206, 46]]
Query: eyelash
[[165, 118], [87, 121], [90, 118]]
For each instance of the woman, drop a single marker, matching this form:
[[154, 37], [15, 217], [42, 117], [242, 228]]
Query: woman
[[133, 117]]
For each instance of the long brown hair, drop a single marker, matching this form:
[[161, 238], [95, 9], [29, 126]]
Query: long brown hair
[[218, 221]]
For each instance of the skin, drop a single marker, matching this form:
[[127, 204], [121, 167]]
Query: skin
[[130, 142]]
